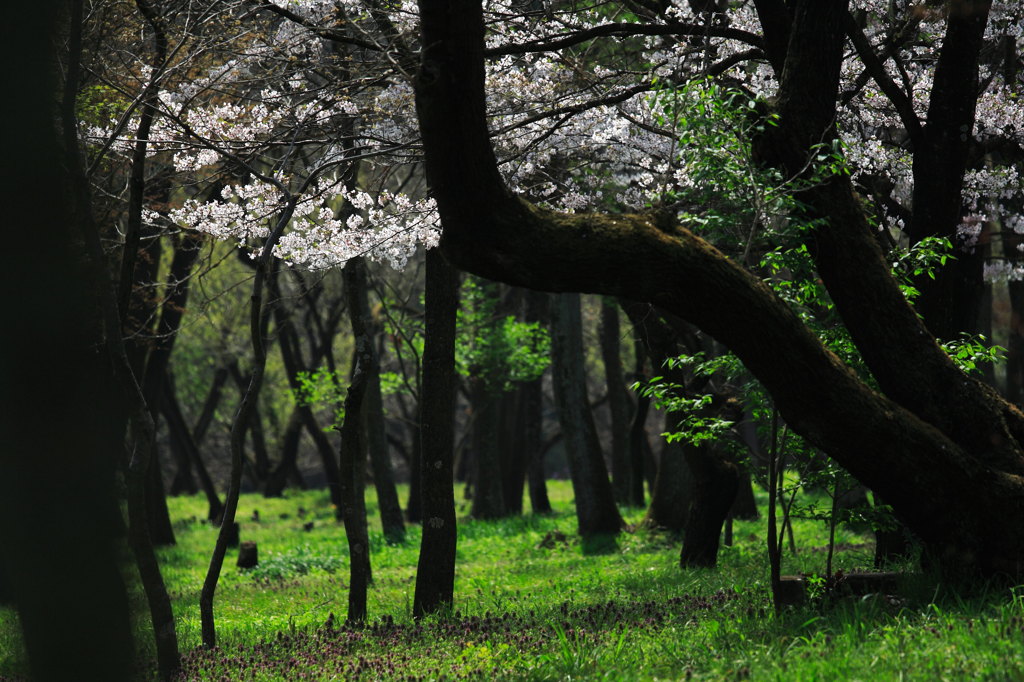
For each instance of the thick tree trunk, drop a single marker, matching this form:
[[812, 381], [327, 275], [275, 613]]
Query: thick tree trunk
[[435, 572], [942, 448], [56, 463], [673, 489], [596, 512], [715, 480]]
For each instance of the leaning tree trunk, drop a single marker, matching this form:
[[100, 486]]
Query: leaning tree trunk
[[596, 512], [246, 410], [435, 572], [943, 449], [289, 345]]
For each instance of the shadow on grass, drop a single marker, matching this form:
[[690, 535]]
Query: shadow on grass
[[594, 545]]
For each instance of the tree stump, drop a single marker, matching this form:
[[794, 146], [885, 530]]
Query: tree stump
[[248, 555]]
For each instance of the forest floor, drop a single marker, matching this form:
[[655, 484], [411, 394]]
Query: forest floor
[[530, 605]]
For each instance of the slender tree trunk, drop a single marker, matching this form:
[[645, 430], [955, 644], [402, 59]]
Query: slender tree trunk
[[288, 343], [435, 573], [352, 461], [618, 399], [390, 508], [514, 450], [536, 310], [246, 409], [596, 512]]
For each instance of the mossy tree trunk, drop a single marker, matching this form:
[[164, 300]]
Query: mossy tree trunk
[[942, 448]]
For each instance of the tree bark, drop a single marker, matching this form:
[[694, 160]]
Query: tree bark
[[596, 513], [435, 572], [352, 461], [56, 462], [618, 399]]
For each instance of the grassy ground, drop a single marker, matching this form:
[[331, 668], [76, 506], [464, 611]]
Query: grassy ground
[[530, 608]]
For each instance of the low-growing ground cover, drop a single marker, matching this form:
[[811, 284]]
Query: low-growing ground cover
[[531, 605]]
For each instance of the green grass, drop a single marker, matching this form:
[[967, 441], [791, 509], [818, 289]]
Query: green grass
[[529, 611]]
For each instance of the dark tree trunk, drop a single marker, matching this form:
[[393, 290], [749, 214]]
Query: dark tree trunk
[[673, 492], [1015, 345], [673, 489], [488, 494], [950, 301], [596, 512], [352, 461], [715, 481], [618, 399], [533, 417], [49, 475], [435, 573], [414, 506], [392, 522], [942, 448], [639, 445], [261, 457], [258, 322], [513, 450], [744, 506]]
